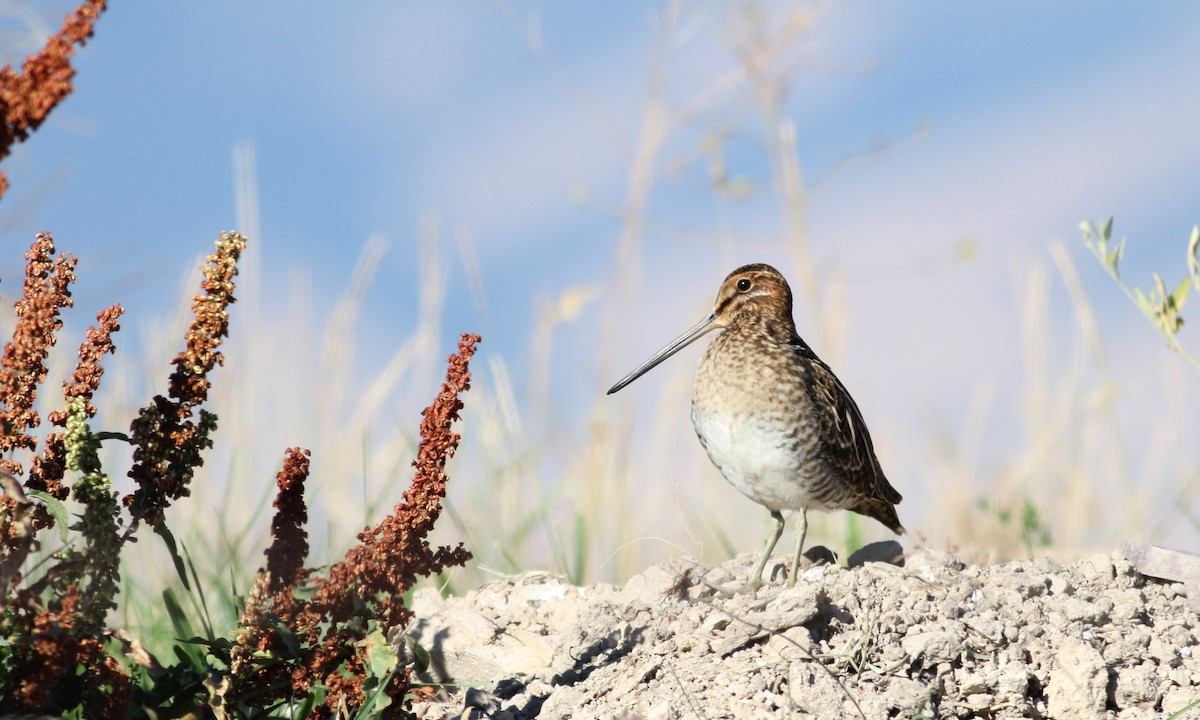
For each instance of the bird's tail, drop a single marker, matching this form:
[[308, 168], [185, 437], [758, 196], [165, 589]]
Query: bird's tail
[[881, 510]]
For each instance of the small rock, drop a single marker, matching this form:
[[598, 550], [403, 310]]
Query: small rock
[[937, 646], [1180, 677], [1098, 568], [483, 701], [1059, 585], [1013, 681], [630, 682], [1012, 633], [658, 582], [886, 551], [815, 574], [1016, 653], [1140, 714], [908, 697], [992, 630], [1047, 565], [935, 560], [819, 554], [950, 609], [976, 683], [791, 608], [564, 703], [1136, 686], [1167, 565], [792, 644], [1028, 587], [1127, 649], [812, 689], [1083, 611], [1078, 684], [1177, 698], [1128, 603], [1163, 652], [996, 596]]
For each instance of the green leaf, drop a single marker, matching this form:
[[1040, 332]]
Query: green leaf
[[306, 707], [110, 435], [1106, 231], [377, 699], [1179, 295], [1114, 259], [57, 510], [164, 532], [179, 620], [202, 609], [381, 658], [420, 654], [186, 647], [291, 642], [1160, 288]]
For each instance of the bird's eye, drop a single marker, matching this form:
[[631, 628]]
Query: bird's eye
[[743, 285]]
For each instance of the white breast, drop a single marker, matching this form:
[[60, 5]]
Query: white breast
[[759, 461]]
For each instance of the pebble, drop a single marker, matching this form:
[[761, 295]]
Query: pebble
[[1078, 687], [1047, 565], [980, 701], [1011, 632], [1059, 585], [1136, 686], [1098, 568], [1078, 610]]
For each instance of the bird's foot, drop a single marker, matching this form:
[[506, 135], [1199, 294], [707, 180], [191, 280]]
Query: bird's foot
[[818, 555], [751, 586]]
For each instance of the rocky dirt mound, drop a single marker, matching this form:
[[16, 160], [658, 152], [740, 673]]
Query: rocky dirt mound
[[934, 638]]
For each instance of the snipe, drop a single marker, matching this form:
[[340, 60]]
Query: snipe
[[773, 417]]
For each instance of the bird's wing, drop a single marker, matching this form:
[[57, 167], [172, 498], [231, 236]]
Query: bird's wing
[[845, 436]]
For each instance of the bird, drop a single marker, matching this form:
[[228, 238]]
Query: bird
[[774, 418]]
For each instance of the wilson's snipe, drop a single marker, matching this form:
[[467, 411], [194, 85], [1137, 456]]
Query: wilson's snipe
[[774, 418]]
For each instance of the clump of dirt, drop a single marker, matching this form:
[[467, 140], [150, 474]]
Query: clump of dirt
[[934, 638]]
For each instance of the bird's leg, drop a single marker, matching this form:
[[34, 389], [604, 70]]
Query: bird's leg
[[776, 530], [755, 579], [801, 532]]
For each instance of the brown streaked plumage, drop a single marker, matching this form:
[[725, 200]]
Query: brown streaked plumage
[[773, 417]]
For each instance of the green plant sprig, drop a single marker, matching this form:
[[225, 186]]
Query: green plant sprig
[[1160, 307]]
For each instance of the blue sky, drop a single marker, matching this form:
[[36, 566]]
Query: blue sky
[[920, 127]]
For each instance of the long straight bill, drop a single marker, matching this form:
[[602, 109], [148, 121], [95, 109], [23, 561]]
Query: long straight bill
[[676, 345]]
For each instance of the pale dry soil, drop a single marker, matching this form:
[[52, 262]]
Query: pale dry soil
[[932, 638]]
